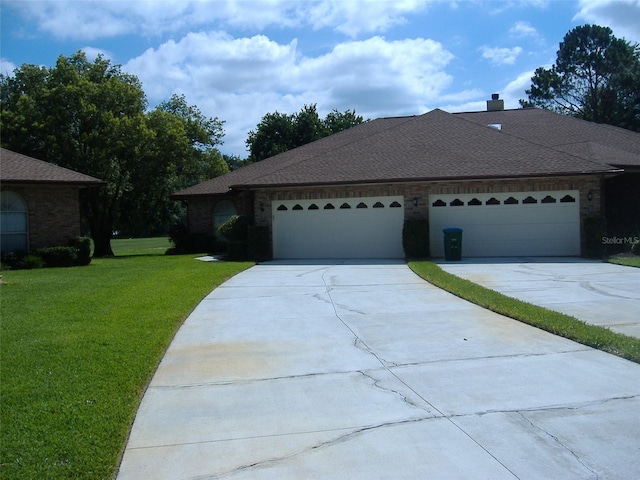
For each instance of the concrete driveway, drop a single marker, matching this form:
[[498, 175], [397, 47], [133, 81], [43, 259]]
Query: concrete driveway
[[364, 371], [595, 292]]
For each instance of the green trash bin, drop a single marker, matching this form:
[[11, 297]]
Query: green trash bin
[[452, 244]]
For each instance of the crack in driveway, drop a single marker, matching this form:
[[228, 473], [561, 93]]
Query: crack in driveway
[[269, 462]]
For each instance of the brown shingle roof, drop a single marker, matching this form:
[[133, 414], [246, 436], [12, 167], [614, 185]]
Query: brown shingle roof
[[434, 146], [605, 144], [18, 168]]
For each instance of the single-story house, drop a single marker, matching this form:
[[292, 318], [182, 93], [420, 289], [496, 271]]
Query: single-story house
[[518, 182], [40, 203]]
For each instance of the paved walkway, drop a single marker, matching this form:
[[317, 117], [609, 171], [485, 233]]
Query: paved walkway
[[595, 292], [364, 371]]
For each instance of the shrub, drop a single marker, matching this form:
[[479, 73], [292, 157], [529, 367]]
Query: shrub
[[415, 238], [259, 244], [237, 251], [236, 229], [31, 261], [10, 260], [83, 250], [178, 234], [78, 252], [21, 261], [184, 241], [594, 230], [58, 256]]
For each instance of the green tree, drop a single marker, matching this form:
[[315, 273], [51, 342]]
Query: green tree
[[336, 121], [81, 115], [277, 132], [90, 117], [181, 152], [234, 162], [273, 135], [595, 78]]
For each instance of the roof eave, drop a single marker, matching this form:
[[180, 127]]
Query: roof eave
[[96, 183], [420, 179]]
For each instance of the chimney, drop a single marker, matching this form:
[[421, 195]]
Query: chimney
[[495, 104]]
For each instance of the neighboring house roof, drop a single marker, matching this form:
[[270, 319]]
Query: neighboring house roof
[[18, 168], [438, 146]]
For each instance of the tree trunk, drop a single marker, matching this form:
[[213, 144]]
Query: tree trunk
[[101, 240]]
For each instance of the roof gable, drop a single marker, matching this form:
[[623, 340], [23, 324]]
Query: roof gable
[[18, 168]]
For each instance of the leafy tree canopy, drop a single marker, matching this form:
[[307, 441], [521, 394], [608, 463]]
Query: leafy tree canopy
[[90, 117], [595, 77], [278, 132]]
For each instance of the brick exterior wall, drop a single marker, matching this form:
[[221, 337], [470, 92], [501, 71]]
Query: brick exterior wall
[[201, 208], [53, 213]]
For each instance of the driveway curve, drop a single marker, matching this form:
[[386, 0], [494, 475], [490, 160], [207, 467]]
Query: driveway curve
[[362, 370]]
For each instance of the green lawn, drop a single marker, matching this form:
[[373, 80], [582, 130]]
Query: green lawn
[[543, 318], [140, 246], [628, 261], [78, 347]]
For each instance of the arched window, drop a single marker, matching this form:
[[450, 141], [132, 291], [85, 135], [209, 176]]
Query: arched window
[[14, 228], [222, 212]]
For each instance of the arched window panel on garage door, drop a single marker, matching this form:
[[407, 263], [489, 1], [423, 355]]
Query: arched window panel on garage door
[[525, 223], [347, 228]]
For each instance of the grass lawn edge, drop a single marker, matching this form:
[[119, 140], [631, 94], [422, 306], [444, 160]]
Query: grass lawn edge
[[551, 321], [633, 262]]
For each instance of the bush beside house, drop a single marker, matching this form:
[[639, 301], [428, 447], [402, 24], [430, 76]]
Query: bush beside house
[[77, 253]]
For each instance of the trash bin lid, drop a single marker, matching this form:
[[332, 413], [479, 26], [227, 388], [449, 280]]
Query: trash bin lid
[[452, 230]]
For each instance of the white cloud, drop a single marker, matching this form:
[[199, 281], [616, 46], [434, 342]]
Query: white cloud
[[89, 20], [501, 56], [6, 67], [79, 19], [622, 16], [515, 90], [503, 6], [93, 52], [241, 79], [522, 30], [354, 18]]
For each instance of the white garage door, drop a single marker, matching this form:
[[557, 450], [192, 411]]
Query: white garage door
[[508, 224], [368, 227]]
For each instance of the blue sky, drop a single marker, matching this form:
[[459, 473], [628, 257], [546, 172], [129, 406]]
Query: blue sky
[[237, 60]]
